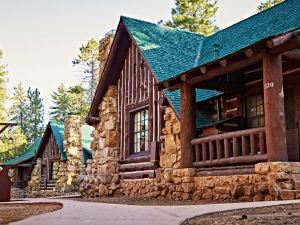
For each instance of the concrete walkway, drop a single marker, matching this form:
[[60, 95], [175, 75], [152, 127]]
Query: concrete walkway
[[91, 213]]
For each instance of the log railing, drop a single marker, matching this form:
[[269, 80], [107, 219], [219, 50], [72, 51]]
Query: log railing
[[233, 148]]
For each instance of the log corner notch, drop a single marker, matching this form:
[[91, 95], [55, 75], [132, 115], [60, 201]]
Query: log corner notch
[[187, 123], [274, 108]]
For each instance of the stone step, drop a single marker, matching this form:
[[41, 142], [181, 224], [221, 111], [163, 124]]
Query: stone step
[[289, 194]]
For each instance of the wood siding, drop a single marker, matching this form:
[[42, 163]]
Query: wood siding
[[50, 153], [136, 91]]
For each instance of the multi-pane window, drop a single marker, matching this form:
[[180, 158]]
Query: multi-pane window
[[255, 111], [141, 131], [54, 170]]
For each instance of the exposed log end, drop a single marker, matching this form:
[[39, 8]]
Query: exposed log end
[[92, 120]]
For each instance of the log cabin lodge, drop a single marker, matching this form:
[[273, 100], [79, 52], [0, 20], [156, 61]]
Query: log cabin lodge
[[184, 116], [180, 115]]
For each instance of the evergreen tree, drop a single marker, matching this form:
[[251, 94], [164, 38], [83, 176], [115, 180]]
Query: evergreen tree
[[61, 104], [195, 15], [72, 100], [35, 115], [78, 102], [12, 144], [18, 110], [3, 89], [88, 61], [268, 4]]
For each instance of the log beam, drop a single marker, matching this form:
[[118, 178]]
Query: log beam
[[187, 123], [234, 66], [292, 55], [274, 42], [274, 108]]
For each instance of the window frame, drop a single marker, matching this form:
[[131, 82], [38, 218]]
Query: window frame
[[256, 117], [52, 163], [132, 132]]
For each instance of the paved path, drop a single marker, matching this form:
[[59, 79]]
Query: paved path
[[91, 213]]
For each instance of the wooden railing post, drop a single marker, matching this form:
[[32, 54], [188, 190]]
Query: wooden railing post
[[274, 108], [244, 146], [187, 123], [204, 151]]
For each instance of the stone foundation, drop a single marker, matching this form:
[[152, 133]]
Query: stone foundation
[[17, 193], [272, 181]]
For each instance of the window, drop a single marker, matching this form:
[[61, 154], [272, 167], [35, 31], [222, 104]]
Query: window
[[141, 131], [255, 111], [54, 169]]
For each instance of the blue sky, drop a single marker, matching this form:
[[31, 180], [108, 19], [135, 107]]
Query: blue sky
[[40, 38]]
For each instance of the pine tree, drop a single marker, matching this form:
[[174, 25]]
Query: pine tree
[[61, 104], [88, 61], [78, 103], [3, 89], [35, 115], [268, 4], [18, 109], [12, 144], [195, 15]]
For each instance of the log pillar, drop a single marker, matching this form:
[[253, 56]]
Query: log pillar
[[274, 108], [187, 124]]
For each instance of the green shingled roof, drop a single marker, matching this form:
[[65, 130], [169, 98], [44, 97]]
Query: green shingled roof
[[27, 155], [277, 20], [170, 52], [58, 132]]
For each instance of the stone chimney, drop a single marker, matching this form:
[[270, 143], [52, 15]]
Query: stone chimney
[[104, 48], [73, 148]]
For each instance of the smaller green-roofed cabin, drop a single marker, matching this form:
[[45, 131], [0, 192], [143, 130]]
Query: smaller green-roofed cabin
[[52, 153], [21, 165]]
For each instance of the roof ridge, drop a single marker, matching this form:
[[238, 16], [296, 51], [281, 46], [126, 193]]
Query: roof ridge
[[162, 26]]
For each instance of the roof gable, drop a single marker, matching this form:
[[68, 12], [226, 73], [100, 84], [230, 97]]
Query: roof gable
[[167, 50], [57, 129]]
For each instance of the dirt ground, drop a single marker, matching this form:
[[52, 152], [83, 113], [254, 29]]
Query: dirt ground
[[19, 211], [273, 215], [148, 201]]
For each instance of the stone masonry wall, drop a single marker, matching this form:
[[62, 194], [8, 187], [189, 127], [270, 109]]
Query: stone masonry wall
[[104, 48], [103, 170], [33, 186], [170, 154], [70, 171]]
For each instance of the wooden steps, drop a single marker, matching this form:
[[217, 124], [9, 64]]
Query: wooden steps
[[49, 186]]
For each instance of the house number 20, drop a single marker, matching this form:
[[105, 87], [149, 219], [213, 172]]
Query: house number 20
[[268, 85]]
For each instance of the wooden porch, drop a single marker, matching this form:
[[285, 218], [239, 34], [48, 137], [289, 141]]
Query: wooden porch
[[271, 68]]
